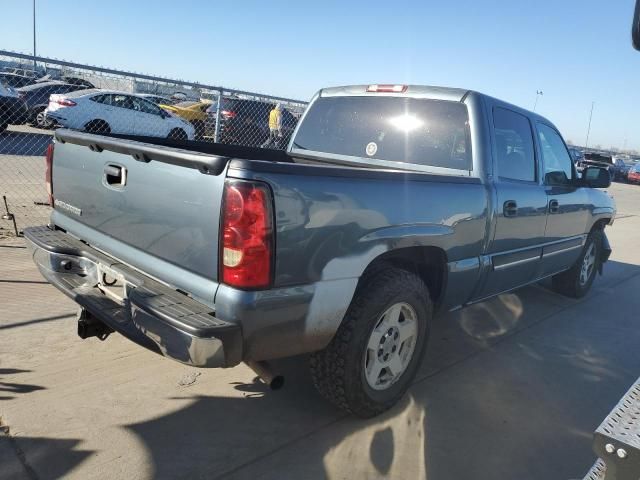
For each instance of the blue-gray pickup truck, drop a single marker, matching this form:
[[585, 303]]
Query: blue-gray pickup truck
[[390, 203]]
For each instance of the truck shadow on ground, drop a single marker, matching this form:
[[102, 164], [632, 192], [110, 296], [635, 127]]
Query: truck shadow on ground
[[55, 457], [524, 410], [8, 390], [510, 388]]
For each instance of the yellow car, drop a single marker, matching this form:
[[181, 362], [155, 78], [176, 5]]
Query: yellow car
[[192, 111]]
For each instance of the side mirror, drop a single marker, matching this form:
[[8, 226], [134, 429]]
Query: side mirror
[[635, 28], [595, 177]]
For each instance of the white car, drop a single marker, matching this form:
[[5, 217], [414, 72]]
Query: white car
[[106, 111]]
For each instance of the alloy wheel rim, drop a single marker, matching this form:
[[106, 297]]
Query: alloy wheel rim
[[588, 264], [390, 346]]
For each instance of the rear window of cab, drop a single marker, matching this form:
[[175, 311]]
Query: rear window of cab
[[410, 130]]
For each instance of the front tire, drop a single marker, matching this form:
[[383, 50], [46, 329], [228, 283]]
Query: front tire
[[198, 128], [376, 352], [577, 281]]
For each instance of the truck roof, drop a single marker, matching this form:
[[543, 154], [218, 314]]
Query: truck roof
[[426, 91]]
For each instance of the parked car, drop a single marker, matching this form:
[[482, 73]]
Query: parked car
[[14, 80], [576, 154], [246, 122], [25, 72], [620, 168], [392, 202], [157, 99], [105, 111], [81, 82], [592, 159], [13, 110], [634, 174], [36, 96], [192, 111]]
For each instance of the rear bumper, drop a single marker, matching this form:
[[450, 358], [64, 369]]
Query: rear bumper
[[152, 314]]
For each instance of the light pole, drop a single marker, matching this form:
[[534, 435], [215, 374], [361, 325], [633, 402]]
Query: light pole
[[586, 143], [539, 93], [34, 35]]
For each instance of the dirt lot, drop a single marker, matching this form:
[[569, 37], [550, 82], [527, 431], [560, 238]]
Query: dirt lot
[[511, 388]]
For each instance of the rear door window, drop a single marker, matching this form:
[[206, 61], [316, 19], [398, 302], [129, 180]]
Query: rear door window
[[144, 106], [409, 130], [514, 145]]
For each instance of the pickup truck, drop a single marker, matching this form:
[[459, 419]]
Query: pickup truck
[[391, 202]]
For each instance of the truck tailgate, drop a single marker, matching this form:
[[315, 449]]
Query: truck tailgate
[[139, 211]]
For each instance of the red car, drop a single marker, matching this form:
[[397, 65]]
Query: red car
[[634, 174]]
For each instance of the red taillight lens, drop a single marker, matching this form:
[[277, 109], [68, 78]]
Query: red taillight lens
[[228, 114], [48, 172], [65, 102], [387, 88], [246, 250]]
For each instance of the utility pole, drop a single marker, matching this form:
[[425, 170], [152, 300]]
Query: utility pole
[[586, 143], [34, 35], [538, 94]]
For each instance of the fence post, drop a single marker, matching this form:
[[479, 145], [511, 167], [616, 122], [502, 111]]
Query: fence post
[[216, 133]]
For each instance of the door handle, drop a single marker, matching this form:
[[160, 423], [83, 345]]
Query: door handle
[[554, 206], [115, 175], [510, 208]]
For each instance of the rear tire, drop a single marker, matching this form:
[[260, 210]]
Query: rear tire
[[359, 370], [577, 281], [97, 126], [40, 120], [198, 127], [178, 134]]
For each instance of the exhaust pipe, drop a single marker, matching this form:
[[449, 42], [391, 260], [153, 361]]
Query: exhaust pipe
[[266, 374], [89, 326]]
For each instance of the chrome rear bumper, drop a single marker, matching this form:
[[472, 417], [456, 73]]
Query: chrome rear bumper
[[150, 313]]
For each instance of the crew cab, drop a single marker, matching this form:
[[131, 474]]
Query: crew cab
[[392, 202]]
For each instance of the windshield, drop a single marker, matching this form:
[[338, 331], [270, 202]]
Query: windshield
[[416, 131]]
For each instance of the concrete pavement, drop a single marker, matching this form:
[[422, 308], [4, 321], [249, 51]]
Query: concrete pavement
[[510, 388]]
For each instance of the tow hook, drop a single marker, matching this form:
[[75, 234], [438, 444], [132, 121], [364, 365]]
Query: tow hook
[[90, 326]]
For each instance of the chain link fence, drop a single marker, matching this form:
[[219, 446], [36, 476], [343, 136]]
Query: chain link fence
[[36, 97]]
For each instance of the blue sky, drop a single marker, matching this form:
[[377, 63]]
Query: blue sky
[[575, 51]]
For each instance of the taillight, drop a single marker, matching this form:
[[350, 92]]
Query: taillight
[[228, 113], [48, 172], [65, 102], [387, 88], [246, 250]]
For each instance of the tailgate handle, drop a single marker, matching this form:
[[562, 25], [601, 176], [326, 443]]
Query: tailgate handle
[[115, 175]]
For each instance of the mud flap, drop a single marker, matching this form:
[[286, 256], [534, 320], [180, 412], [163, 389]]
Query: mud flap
[[605, 252]]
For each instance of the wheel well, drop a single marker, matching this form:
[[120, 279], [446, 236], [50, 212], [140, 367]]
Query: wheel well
[[429, 263], [97, 121], [600, 224]]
